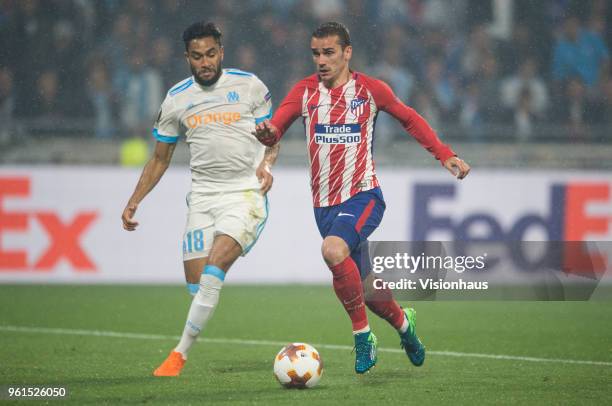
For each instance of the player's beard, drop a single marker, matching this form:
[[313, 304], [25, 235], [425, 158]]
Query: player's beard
[[208, 82]]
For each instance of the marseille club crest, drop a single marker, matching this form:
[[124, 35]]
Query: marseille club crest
[[233, 97], [357, 105]]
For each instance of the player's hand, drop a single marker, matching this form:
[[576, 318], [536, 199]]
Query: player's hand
[[127, 217], [458, 167], [266, 133], [265, 177]]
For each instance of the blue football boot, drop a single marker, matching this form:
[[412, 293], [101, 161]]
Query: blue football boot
[[365, 352], [415, 350]]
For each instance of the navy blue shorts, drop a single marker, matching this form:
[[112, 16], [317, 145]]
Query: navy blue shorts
[[353, 221]]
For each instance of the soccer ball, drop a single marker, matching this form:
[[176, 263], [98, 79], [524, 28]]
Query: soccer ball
[[298, 365]]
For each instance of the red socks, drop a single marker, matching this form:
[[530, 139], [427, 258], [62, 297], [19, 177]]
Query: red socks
[[382, 304], [348, 288]]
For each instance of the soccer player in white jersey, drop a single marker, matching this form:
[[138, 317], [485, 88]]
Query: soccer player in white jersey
[[215, 109]]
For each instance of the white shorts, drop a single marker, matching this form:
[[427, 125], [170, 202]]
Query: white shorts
[[241, 215]]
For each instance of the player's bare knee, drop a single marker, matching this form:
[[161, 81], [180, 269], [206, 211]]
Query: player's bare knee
[[224, 253], [193, 269], [220, 262], [334, 250], [220, 259]]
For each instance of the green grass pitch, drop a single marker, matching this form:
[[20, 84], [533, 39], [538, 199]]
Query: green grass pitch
[[117, 369]]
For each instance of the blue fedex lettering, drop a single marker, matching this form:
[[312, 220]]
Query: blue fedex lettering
[[423, 222], [337, 133], [463, 230], [567, 226]]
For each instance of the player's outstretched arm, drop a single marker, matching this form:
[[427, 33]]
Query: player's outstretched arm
[[457, 166], [418, 128], [266, 133], [151, 174], [264, 171], [269, 132]]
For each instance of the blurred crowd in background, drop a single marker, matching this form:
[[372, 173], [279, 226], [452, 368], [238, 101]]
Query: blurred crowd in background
[[479, 70]]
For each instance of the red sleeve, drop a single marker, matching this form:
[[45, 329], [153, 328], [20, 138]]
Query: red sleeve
[[289, 109], [412, 121]]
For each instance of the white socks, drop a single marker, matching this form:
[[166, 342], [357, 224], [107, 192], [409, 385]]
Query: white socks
[[362, 330], [202, 307], [404, 326]]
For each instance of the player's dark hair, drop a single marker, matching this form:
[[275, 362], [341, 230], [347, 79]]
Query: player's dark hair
[[201, 29], [333, 28]]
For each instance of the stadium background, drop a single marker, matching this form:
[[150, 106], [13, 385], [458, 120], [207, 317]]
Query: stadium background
[[81, 82]]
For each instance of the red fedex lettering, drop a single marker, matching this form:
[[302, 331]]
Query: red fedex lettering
[[578, 224], [15, 221], [65, 241], [64, 237]]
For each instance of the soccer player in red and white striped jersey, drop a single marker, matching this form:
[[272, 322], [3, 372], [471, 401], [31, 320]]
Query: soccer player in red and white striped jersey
[[339, 108]]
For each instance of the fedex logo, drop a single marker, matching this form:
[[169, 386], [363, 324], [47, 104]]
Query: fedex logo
[[567, 220], [64, 235]]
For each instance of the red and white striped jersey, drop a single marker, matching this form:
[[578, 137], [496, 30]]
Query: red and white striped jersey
[[339, 126]]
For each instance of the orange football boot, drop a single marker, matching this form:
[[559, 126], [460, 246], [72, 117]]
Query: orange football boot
[[171, 366]]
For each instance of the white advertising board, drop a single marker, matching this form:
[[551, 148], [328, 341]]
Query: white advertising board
[[62, 224]]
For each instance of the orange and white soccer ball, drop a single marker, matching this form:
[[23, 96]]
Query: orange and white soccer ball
[[298, 365]]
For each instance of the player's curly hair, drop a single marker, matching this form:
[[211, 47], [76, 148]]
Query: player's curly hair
[[201, 29], [333, 28]]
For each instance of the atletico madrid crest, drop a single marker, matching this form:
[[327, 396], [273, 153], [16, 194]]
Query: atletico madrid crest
[[357, 106]]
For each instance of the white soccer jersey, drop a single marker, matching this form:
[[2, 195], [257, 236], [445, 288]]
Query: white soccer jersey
[[217, 122]]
